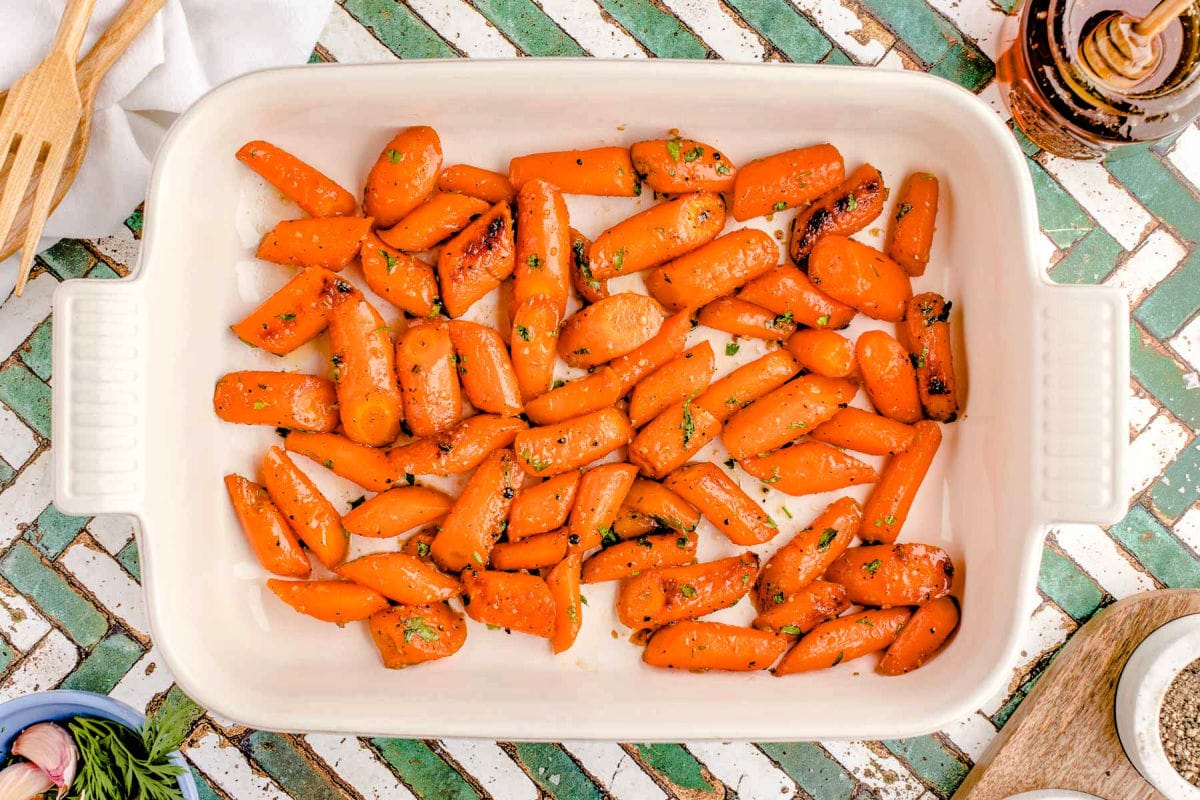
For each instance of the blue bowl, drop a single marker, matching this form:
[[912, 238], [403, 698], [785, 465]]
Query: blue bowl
[[59, 705]]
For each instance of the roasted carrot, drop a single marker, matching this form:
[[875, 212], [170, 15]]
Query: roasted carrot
[[476, 260], [809, 468], [654, 598], [787, 290], [535, 552], [364, 370], [329, 601], [657, 235], [612, 327], [602, 490], [293, 315], [847, 208], [400, 577], [723, 503], [822, 351], [700, 646], [476, 182], [542, 507], [808, 554], [714, 270], [479, 515], [893, 574], [802, 611], [638, 555], [844, 639], [727, 395], [454, 451], [329, 242], [678, 379], [485, 369], [425, 365], [310, 515], [266, 528], [405, 281], [543, 244], [888, 376], [927, 333], [534, 341], [674, 166], [403, 176], [407, 635], [513, 600], [741, 318], [864, 432], [438, 218], [602, 170], [317, 194], [586, 285], [785, 414], [662, 505], [631, 524], [784, 180], [673, 437], [661, 348], [395, 511], [860, 276], [886, 510], [366, 466], [279, 399], [419, 544], [553, 449], [591, 393], [563, 582], [925, 633], [911, 237]]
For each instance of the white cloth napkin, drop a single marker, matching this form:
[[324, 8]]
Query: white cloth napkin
[[188, 48]]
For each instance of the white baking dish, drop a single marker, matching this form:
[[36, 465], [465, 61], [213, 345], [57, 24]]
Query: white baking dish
[[1041, 442]]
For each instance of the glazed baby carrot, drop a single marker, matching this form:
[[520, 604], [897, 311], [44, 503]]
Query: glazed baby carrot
[[602, 170], [419, 544], [366, 466], [542, 507], [329, 242], [631, 524], [783, 180], [590, 393], [266, 528], [802, 611], [654, 598], [553, 449], [888, 376], [808, 554], [661, 348], [543, 243], [662, 505], [293, 315], [535, 552], [638, 555], [785, 414], [822, 351], [403, 176], [279, 399], [533, 343], [714, 270], [741, 318], [809, 468], [512, 600], [844, 639], [699, 646], [476, 260], [657, 235], [893, 574], [395, 511], [586, 285], [723, 503], [315, 193], [563, 582], [678, 379], [400, 577], [673, 166], [601, 492], [310, 515], [476, 182], [428, 379], [860, 276], [727, 395], [440, 217], [479, 515], [329, 601], [364, 370], [672, 438], [485, 369], [454, 451], [911, 237], [927, 333], [864, 432], [408, 635], [405, 281], [787, 290], [886, 510], [927, 630], [609, 328], [847, 208]]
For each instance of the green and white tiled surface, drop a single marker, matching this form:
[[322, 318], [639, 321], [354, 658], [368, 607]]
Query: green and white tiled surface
[[71, 613]]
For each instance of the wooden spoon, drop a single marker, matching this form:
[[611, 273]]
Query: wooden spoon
[[91, 69], [1122, 51]]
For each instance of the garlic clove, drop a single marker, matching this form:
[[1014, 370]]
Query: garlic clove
[[23, 781], [52, 749]]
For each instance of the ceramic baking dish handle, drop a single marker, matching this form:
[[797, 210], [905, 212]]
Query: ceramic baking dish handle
[[1081, 382], [99, 409]]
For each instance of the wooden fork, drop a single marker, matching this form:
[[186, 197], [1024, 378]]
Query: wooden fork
[[39, 120]]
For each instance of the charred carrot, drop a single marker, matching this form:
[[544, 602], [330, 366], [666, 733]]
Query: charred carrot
[[591, 393], [888, 376], [728, 395], [476, 260], [844, 639], [701, 646], [809, 468], [677, 380], [802, 611], [893, 574], [860, 276], [631, 524], [403, 176], [927, 332], [590, 289], [513, 600], [364, 370], [886, 510], [534, 341], [925, 633], [657, 351], [785, 414], [317, 194], [310, 515], [638, 555], [847, 208], [672, 166], [293, 315], [657, 235], [456, 450], [554, 449], [654, 598], [479, 515], [329, 242], [279, 399], [266, 528], [714, 270], [542, 507], [329, 601], [911, 237], [400, 577], [543, 267], [420, 543], [612, 327], [822, 351], [723, 503], [535, 552], [602, 491], [366, 466], [405, 281], [663, 505], [485, 369], [602, 170], [864, 432], [673, 437], [787, 290], [476, 182], [408, 635], [784, 180], [438, 218], [741, 318], [395, 511], [808, 554], [563, 582], [425, 364]]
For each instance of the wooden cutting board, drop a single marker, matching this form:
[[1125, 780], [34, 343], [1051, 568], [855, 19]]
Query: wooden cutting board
[[1064, 735]]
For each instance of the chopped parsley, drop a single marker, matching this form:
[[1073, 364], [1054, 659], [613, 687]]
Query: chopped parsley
[[722, 168], [827, 536], [865, 621], [772, 524], [732, 348], [851, 202], [619, 260], [688, 425], [259, 405], [390, 259], [783, 320], [608, 536], [693, 154], [871, 567], [534, 261], [840, 656], [791, 630], [558, 383], [786, 513], [673, 149], [583, 351], [573, 613], [904, 209], [435, 308], [523, 332], [682, 541], [538, 466], [394, 156], [822, 320], [417, 626], [422, 549], [687, 590], [777, 598], [775, 477], [476, 557], [285, 317], [780, 206], [797, 425]]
